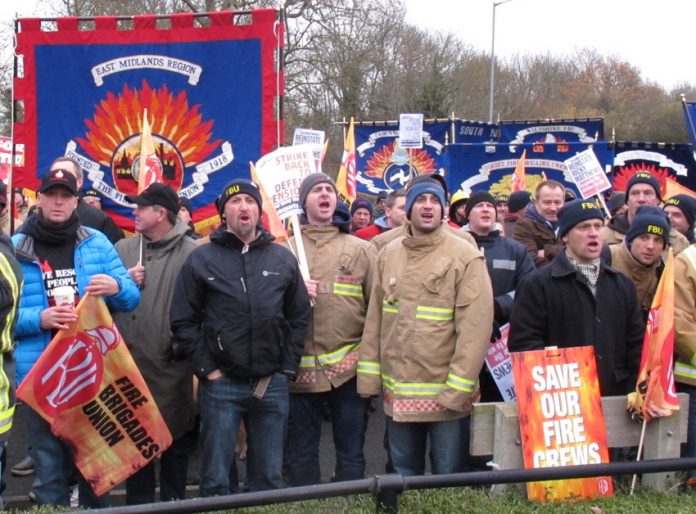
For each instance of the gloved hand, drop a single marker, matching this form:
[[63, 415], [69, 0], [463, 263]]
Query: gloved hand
[[634, 405]]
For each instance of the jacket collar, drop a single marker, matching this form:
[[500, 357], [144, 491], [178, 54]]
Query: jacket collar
[[561, 266], [425, 241], [224, 238], [170, 239], [317, 233], [25, 246]]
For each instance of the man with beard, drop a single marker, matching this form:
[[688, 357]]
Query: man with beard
[[55, 250], [240, 315], [340, 267]]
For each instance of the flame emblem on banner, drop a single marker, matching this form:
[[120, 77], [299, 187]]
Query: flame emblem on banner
[[182, 137], [391, 164], [624, 174]]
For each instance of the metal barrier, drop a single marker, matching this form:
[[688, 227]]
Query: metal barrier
[[387, 488]]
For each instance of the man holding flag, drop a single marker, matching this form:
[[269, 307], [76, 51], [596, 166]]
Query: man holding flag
[[54, 251]]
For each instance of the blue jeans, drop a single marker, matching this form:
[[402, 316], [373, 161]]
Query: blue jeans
[[54, 466], [688, 449], [407, 444], [140, 487], [224, 403], [349, 421]]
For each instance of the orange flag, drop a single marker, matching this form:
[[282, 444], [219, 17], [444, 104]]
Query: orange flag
[[346, 181], [656, 375], [519, 177], [672, 187], [271, 218], [150, 170], [86, 385]]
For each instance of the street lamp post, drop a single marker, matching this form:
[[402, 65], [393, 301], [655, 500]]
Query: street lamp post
[[491, 75]]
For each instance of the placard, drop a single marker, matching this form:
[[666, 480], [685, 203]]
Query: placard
[[499, 364], [561, 419], [411, 131], [587, 173]]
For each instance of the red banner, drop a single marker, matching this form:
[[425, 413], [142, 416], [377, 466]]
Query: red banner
[[561, 419], [86, 385]]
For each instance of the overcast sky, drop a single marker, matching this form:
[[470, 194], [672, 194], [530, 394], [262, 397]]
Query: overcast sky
[[657, 37]]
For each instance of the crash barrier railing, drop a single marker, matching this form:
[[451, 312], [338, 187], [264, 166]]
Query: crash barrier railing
[[387, 488], [495, 431]]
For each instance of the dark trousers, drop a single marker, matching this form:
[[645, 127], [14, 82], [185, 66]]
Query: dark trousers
[[348, 418], [140, 488]]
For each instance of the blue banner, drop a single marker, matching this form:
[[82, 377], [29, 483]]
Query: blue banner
[[662, 160], [382, 165], [490, 167], [552, 131], [466, 131], [689, 116]]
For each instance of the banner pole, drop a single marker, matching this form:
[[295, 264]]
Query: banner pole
[[604, 205], [640, 452]]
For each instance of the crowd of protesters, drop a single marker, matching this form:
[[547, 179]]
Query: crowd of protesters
[[400, 302]]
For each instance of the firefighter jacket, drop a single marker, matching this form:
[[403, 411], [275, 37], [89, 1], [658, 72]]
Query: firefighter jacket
[[428, 327], [685, 316], [343, 265]]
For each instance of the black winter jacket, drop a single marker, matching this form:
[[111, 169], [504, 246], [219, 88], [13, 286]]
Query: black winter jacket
[[245, 314], [554, 306]]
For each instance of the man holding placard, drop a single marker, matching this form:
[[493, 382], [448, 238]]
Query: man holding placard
[[578, 300], [340, 270], [428, 328]]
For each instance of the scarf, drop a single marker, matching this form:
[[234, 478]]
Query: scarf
[[51, 233]]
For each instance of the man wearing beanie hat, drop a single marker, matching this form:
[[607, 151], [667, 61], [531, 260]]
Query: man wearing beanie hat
[[153, 259], [580, 300], [428, 328], [384, 239], [55, 250], [501, 202], [361, 214], [681, 210], [508, 263], [639, 256], [517, 202], [339, 283], [240, 318], [538, 226], [642, 189]]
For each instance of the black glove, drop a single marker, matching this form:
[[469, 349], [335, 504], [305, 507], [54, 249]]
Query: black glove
[[495, 333], [175, 352]]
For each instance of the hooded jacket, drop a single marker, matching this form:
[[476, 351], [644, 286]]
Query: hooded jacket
[[343, 265], [146, 329], [428, 327], [243, 309]]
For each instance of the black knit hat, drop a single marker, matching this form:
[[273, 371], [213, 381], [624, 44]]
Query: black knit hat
[[236, 187], [576, 212], [648, 220], [518, 200], [686, 204], [644, 177], [478, 197], [312, 180], [361, 203]]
